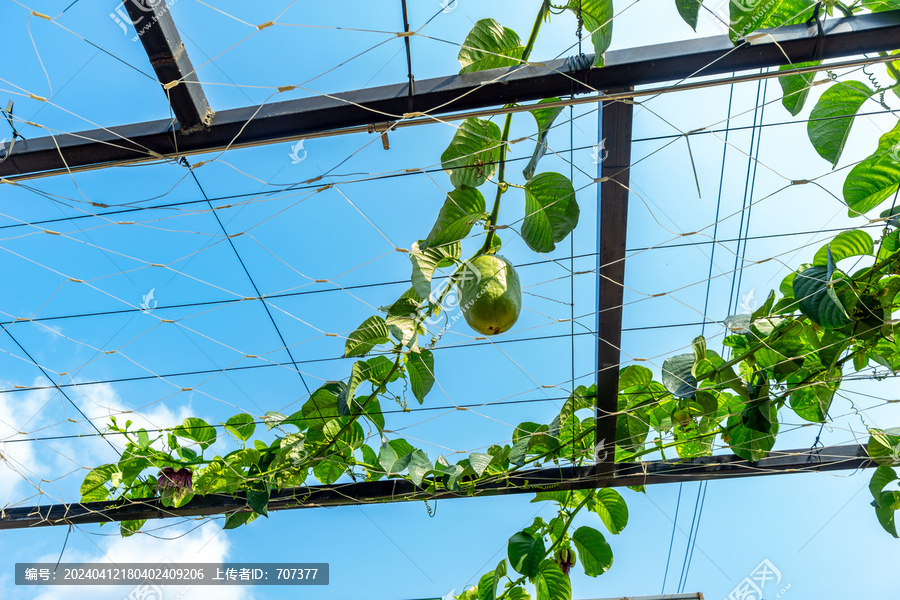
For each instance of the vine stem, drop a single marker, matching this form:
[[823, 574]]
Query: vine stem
[[504, 140], [554, 545], [381, 388]]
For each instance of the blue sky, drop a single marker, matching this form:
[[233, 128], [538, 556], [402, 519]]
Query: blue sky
[[347, 235]]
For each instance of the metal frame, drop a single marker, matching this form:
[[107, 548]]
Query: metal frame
[[403, 490], [358, 110], [616, 120], [169, 58]]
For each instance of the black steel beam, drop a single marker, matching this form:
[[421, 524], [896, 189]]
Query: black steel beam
[[294, 119], [169, 58], [616, 120], [402, 490]]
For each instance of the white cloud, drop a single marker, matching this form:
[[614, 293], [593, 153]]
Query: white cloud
[[64, 463], [19, 464], [203, 545]]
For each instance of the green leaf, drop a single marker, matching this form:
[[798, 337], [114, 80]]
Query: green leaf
[[480, 462], [486, 587], [611, 508], [525, 553], [757, 415], [420, 367], [235, 520], [551, 211], [789, 12], [811, 288], [881, 5], [499, 573], [418, 466], [833, 116], [795, 87], [469, 594], [322, 405], [143, 438], [689, 11], [473, 154], [846, 244], [886, 514], [812, 401], [371, 332], [544, 118], [552, 583], [884, 446], [345, 403], [327, 471], [490, 45], [876, 178], [258, 500], [129, 528], [425, 262], [372, 409], [882, 476], [272, 419], [462, 208], [451, 477], [395, 455], [746, 17], [632, 425], [197, 430], [598, 21], [750, 444], [677, 377], [377, 369], [245, 457], [519, 451], [593, 551], [93, 488], [634, 375], [407, 305], [241, 426]]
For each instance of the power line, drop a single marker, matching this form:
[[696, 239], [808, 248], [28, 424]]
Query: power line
[[250, 278]]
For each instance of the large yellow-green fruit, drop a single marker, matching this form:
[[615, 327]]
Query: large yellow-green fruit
[[490, 295]]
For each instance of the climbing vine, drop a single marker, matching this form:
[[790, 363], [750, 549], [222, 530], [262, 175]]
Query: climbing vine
[[827, 318]]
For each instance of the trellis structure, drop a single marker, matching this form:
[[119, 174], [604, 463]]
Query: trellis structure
[[197, 129]]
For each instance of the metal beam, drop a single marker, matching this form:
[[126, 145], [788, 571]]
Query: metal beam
[[616, 120], [169, 58], [403, 490], [293, 119]]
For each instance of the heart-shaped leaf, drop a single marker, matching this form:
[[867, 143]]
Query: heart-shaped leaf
[[832, 117], [677, 377], [525, 553], [593, 550], [462, 208], [424, 263], [490, 45], [811, 287], [845, 245], [551, 212], [689, 11], [420, 368], [473, 153], [795, 87], [876, 178], [371, 332]]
